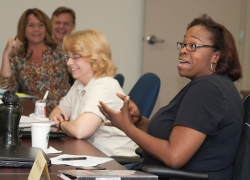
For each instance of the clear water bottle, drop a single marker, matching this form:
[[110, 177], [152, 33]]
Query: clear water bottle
[[10, 115]]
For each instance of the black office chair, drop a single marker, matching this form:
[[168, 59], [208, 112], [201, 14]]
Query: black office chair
[[162, 172], [242, 161], [145, 93], [120, 78]]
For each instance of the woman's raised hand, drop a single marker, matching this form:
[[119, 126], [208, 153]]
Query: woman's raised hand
[[133, 109], [12, 45], [129, 113]]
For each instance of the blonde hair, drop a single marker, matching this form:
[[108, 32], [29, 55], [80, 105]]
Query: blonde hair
[[93, 46], [21, 28]]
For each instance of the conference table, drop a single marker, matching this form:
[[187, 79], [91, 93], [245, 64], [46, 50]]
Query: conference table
[[66, 144]]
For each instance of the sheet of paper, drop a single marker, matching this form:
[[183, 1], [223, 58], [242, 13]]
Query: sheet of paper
[[52, 150], [89, 161], [26, 121]]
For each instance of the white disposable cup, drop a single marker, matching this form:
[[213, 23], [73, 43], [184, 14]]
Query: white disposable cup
[[40, 135]]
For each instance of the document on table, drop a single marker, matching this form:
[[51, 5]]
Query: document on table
[[89, 161], [26, 121]]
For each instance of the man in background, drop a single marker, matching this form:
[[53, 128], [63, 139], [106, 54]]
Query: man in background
[[63, 22]]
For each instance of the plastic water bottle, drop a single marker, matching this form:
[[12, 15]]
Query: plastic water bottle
[[10, 115]]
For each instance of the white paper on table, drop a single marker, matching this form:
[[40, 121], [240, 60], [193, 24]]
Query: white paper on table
[[52, 150], [89, 161], [26, 121]]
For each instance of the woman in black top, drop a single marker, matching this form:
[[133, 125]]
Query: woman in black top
[[200, 128]]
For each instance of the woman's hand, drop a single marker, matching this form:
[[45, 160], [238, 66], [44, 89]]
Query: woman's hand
[[133, 109], [12, 45], [60, 117], [128, 115]]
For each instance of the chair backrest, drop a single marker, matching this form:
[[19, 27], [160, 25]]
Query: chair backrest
[[242, 161], [120, 78], [246, 103], [145, 92]]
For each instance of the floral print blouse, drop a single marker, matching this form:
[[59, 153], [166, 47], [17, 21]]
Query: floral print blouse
[[35, 79]]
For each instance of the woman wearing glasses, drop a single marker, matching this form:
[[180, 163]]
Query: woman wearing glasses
[[32, 62], [200, 128], [90, 61]]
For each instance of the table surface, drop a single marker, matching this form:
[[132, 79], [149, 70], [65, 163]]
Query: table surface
[[66, 144]]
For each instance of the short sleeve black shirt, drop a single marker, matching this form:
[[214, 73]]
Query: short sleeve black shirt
[[212, 105]]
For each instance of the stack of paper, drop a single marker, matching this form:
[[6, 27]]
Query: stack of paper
[[26, 121]]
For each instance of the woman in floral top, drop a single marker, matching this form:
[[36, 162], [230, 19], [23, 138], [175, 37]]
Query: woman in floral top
[[33, 63]]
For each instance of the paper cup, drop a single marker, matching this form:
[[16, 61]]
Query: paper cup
[[40, 135]]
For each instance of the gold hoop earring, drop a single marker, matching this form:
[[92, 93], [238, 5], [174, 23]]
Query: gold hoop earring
[[211, 67]]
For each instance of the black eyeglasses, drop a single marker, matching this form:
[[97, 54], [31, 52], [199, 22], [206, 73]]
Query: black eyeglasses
[[192, 47], [74, 58]]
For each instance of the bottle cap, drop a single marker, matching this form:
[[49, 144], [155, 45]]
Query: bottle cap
[[10, 97]]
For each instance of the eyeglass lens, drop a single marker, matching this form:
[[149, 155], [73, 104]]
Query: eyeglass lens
[[189, 47], [72, 57]]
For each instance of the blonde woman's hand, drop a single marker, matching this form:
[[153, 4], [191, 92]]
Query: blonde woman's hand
[[60, 117]]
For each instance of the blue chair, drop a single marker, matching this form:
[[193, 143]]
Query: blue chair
[[120, 79], [145, 92]]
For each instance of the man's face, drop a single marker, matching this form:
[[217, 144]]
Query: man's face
[[62, 25]]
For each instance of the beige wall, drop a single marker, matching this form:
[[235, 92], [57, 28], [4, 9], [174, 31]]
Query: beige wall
[[162, 58], [244, 44], [120, 20]]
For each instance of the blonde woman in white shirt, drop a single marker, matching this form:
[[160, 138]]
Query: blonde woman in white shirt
[[90, 60]]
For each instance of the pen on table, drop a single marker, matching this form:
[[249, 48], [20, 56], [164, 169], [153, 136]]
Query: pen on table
[[73, 159]]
